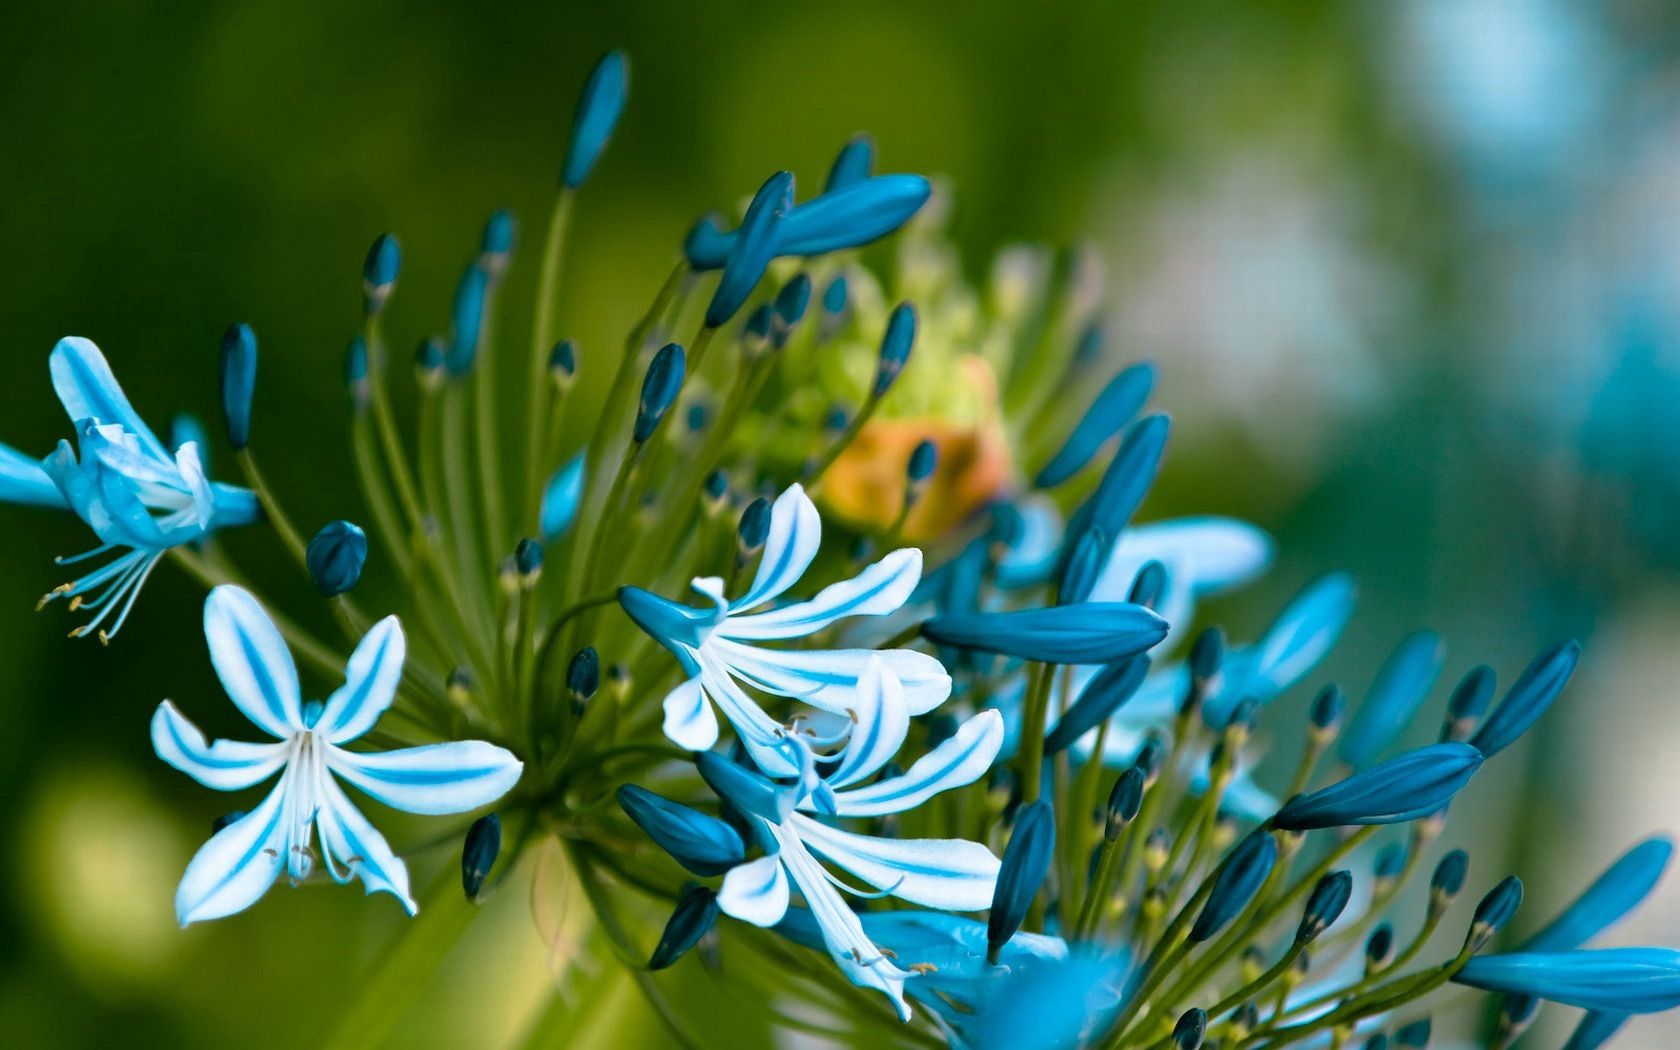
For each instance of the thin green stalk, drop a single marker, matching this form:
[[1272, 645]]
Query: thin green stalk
[[1031, 764], [385, 521], [395, 458], [289, 537], [542, 340]]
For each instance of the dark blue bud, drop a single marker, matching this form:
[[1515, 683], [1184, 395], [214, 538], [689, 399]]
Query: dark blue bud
[[1495, 910], [1084, 565], [924, 460], [793, 300], [1379, 1041], [896, 344], [660, 387], [478, 853], [1149, 758], [561, 498], [1239, 878], [1191, 1029], [379, 272], [1611, 896], [1329, 898], [834, 297], [1379, 947], [356, 372], [836, 420], [1026, 860], [238, 369], [1413, 785], [1121, 400], [562, 363], [753, 248], [467, 313], [716, 486], [1528, 698], [1124, 801], [1606, 980], [1127, 480], [335, 557], [583, 674], [1448, 881], [1393, 700], [498, 237], [428, 359], [695, 915], [598, 110], [528, 555], [698, 416], [1007, 525], [225, 819], [1413, 1035], [1390, 861], [699, 842], [755, 526], [1207, 654], [1103, 695], [1327, 707], [1089, 346], [1088, 633], [745, 790], [855, 163], [1149, 585], [1469, 701]]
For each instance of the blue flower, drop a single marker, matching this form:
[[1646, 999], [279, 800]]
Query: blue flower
[[1610, 980], [1413, 785], [698, 841], [753, 247], [243, 859], [138, 497], [718, 647], [950, 874]]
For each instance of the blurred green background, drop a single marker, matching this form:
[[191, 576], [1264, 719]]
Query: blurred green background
[[1410, 271]]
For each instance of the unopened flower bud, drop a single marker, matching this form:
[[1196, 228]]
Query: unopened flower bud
[[478, 853]]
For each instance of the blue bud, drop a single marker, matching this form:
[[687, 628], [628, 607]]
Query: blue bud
[[1495, 910], [1612, 895], [716, 486], [335, 557], [698, 841], [834, 297], [1149, 586], [1448, 881], [896, 344], [467, 312], [356, 373], [1412, 1036], [793, 300], [528, 557], [562, 363], [1469, 701], [665, 620], [583, 677], [1119, 401], [238, 368], [695, 915], [1413, 785], [1393, 700], [1327, 707], [1608, 980], [753, 248], [854, 215], [561, 498], [755, 526], [1207, 654], [1377, 1041], [498, 236], [1528, 698], [745, 790], [1090, 344], [478, 853], [1088, 633], [1516, 1013], [1329, 898], [1238, 879], [1127, 480], [660, 387], [1595, 1030], [1083, 566], [1124, 801], [186, 427], [1390, 862], [1103, 695], [1191, 1029], [699, 414], [1379, 948], [855, 163], [379, 272], [1026, 860], [598, 110], [707, 242], [428, 361], [924, 460]]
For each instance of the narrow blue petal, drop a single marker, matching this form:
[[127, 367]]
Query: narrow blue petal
[[1611, 896], [22, 480], [88, 390], [1401, 685], [1114, 407]]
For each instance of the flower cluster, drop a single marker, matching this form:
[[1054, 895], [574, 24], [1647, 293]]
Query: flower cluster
[[1000, 773]]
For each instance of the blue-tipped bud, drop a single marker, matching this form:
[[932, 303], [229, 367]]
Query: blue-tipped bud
[[1469, 701], [335, 557], [528, 557], [1326, 713], [660, 387], [379, 272], [1088, 633], [1413, 1035], [1528, 698], [698, 416], [1379, 948], [1390, 862], [715, 490], [478, 853], [1207, 656], [1412, 785], [1121, 400], [1611, 896], [429, 360], [1238, 879], [1191, 1029], [1084, 565], [598, 110], [745, 790], [1398, 690], [1103, 695], [790, 306], [753, 248], [561, 498], [698, 841], [1448, 881], [467, 314], [852, 216], [238, 369], [1127, 480], [356, 373], [1150, 757], [924, 460], [896, 344], [1026, 860], [1607, 980], [1495, 910], [754, 528], [1124, 801], [695, 915], [756, 332], [583, 677], [495, 245], [1149, 586], [1329, 898], [562, 364], [834, 298], [855, 163]]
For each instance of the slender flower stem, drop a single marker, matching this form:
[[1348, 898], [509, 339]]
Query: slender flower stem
[[1256, 986], [302, 642], [395, 458], [1031, 766], [1378, 1000], [542, 340], [289, 537], [488, 433], [385, 520]]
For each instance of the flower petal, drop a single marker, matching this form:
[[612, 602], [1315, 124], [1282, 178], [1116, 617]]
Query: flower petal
[[237, 865], [755, 892], [876, 591], [252, 661], [348, 839], [88, 389], [882, 721], [763, 736], [828, 678], [689, 720], [452, 777], [23, 481], [226, 765], [953, 874], [961, 759], [795, 534], [370, 683]]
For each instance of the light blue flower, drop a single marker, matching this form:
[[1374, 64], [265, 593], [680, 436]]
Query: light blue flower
[[719, 650], [138, 497], [242, 860], [950, 874]]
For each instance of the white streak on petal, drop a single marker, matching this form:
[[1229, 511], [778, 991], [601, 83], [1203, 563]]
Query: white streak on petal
[[226, 765], [882, 722], [689, 720], [755, 892], [370, 683], [794, 536], [252, 660], [961, 759], [953, 874], [452, 777], [237, 865]]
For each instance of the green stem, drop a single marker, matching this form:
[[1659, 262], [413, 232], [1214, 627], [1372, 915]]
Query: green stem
[[542, 340], [1031, 766], [289, 537]]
